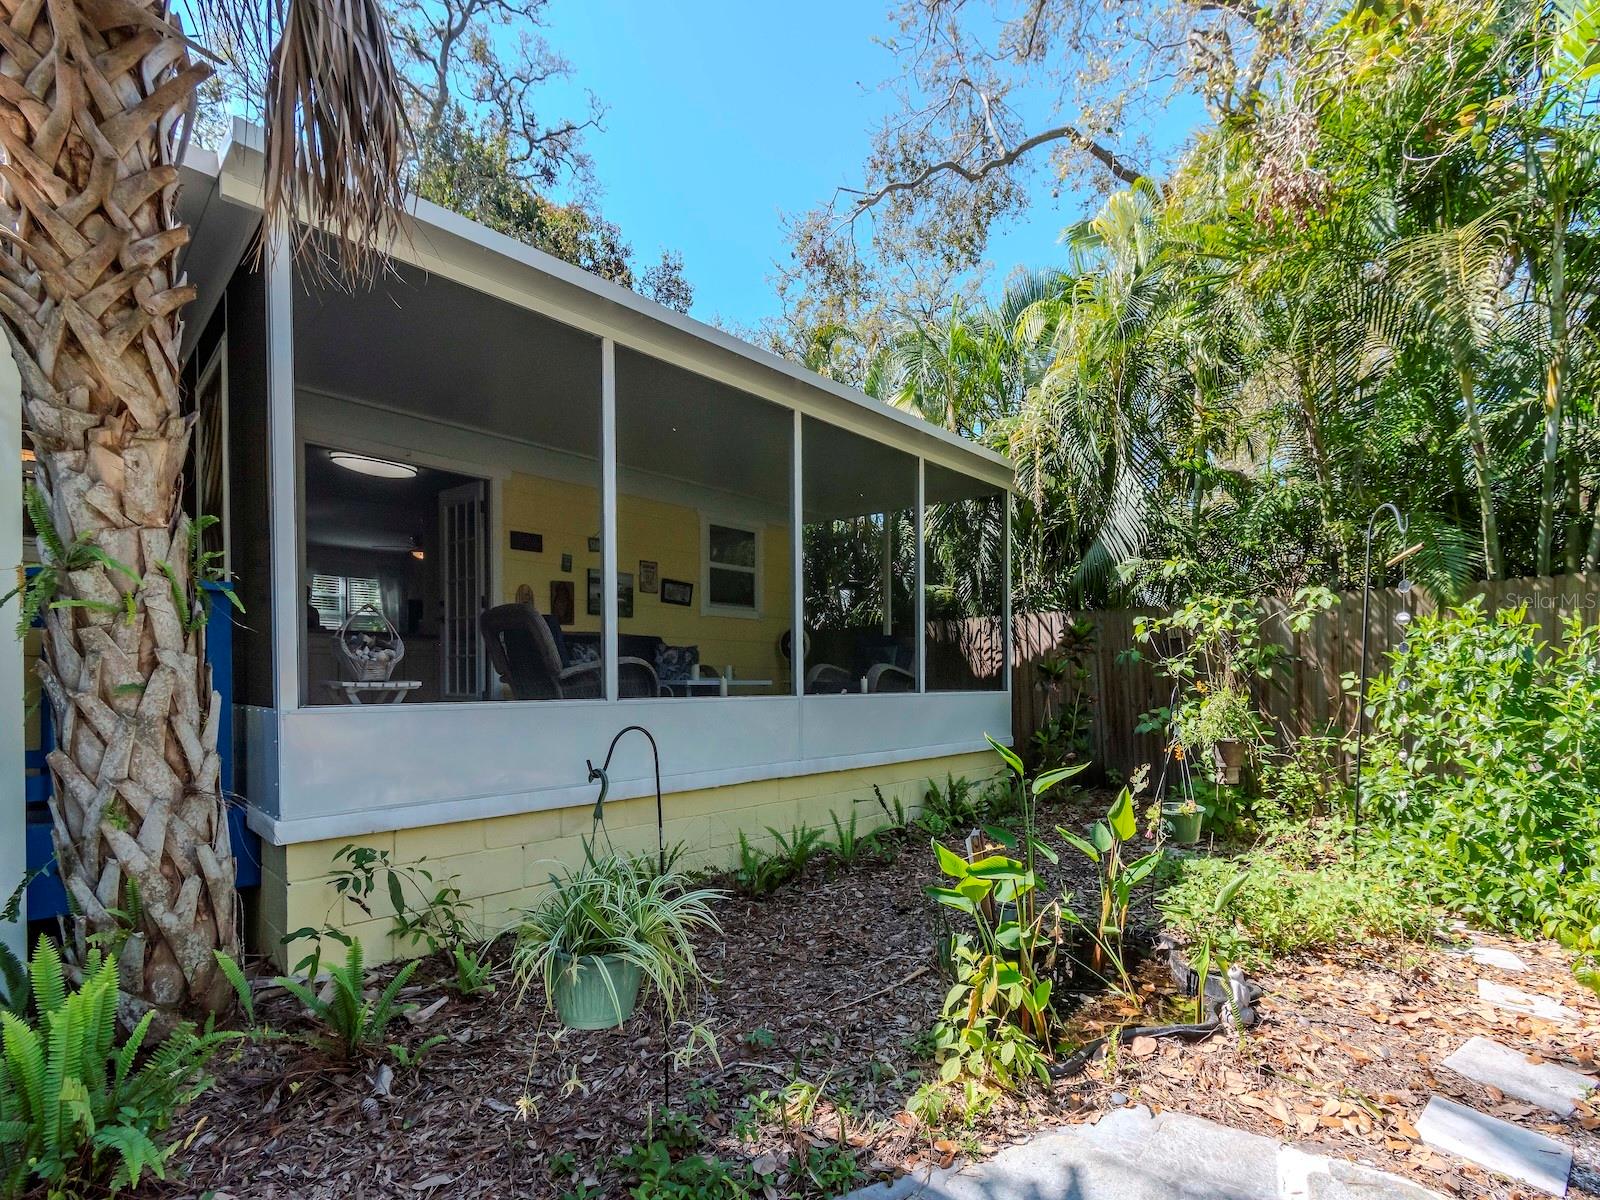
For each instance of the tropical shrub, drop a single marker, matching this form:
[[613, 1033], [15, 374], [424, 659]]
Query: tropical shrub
[[997, 1014], [1104, 848], [1485, 767], [619, 905], [1064, 733], [1299, 894], [79, 1113]]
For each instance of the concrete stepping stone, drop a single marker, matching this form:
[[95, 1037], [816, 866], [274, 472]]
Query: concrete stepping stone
[[1493, 956], [1516, 1000], [1496, 1145], [1303, 1176], [1131, 1155], [1551, 1087]]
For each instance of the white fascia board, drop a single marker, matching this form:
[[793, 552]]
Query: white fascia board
[[448, 244]]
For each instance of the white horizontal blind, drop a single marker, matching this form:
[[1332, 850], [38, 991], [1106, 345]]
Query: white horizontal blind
[[327, 597], [358, 593], [337, 596]]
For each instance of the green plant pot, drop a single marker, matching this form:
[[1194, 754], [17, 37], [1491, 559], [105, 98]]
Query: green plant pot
[[599, 993], [1185, 825]]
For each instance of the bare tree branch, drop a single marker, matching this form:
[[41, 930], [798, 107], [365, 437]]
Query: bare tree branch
[[1121, 168]]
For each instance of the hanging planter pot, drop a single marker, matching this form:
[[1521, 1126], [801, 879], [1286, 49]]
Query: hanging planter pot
[[596, 991], [1186, 823], [1229, 755]]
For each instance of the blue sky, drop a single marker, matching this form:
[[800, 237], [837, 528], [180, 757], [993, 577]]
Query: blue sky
[[722, 116]]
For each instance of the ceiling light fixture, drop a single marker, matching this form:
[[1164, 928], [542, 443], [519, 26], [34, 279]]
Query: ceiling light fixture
[[364, 464]]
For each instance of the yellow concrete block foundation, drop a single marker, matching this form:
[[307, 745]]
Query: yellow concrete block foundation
[[502, 863]]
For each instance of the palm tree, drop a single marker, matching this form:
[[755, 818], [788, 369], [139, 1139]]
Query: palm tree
[[92, 120]]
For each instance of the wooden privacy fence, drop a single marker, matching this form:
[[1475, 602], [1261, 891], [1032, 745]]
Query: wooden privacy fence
[[1306, 695]]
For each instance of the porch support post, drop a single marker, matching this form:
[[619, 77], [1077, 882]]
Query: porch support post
[[288, 601], [1005, 603], [797, 564], [13, 796], [922, 577], [608, 513]]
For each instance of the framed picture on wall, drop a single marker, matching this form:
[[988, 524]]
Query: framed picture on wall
[[677, 591], [566, 563], [562, 601], [649, 576], [624, 593]]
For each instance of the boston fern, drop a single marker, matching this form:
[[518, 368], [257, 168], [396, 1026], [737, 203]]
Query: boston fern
[[78, 1112]]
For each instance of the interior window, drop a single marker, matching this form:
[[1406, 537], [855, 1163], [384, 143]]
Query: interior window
[[732, 553]]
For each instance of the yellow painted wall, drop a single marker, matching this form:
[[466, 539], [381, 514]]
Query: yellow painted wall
[[503, 863], [568, 514]]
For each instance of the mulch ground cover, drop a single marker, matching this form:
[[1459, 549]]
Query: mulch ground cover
[[824, 992]]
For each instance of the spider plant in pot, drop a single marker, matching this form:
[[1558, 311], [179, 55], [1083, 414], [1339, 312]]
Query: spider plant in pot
[[606, 930]]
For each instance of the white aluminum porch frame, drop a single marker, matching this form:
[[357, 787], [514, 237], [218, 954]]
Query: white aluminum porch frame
[[343, 771], [14, 818]]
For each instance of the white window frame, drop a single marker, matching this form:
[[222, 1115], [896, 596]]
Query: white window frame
[[742, 525]]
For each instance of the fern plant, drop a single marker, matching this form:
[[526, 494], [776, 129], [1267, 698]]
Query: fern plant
[[796, 849], [758, 873], [79, 1113], [41, 591], [356, 1022]]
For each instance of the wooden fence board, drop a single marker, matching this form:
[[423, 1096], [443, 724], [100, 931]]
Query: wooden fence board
[[1306, 696]]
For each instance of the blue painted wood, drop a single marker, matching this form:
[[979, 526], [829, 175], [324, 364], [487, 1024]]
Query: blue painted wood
[[46, 896]]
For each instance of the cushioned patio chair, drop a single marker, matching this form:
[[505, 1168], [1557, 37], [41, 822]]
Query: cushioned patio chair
[[523, 652]]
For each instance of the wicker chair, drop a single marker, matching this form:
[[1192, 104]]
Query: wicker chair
[[523, 652]]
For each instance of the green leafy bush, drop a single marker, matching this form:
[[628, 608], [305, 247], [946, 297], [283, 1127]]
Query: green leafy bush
[[1300, 895], [1485, 767], [79, 1113]]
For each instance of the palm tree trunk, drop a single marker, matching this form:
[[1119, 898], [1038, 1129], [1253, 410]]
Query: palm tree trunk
[[1593, 557], [91, 97], [1554, 389], [1494, 567]]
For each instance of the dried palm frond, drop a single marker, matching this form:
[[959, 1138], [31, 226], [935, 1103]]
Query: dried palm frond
[[336, 130]]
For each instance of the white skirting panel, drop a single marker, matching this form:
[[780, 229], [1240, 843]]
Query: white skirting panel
[[344, 772]]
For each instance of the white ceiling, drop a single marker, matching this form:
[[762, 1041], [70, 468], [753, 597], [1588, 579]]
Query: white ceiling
[[427, 346]]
